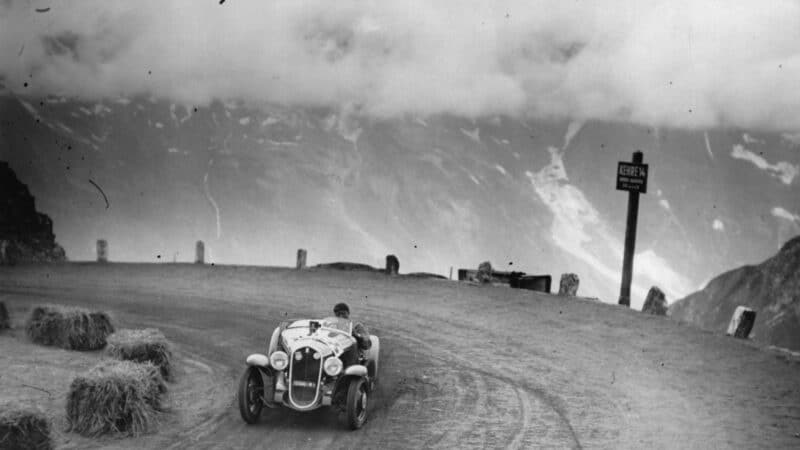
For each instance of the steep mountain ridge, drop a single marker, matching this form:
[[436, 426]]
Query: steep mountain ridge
[[772, 288]]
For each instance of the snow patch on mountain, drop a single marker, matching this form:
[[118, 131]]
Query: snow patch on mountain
[[782, 213], [708, 145], [29, 108], [782, 170], [268, 121], [475, 134], [64, 127], [210, 199], [500, 169], [748, 139], [793, 138], [101, 109], [572, 130], [717, 225], [244, 120]]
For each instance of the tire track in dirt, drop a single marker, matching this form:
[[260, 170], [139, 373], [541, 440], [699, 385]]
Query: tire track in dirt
[[523, 389], [522, 394]]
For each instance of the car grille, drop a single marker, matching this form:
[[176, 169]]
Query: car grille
[[305, 377]]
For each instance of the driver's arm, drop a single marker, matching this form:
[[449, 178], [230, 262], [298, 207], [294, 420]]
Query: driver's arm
[[362, 336]]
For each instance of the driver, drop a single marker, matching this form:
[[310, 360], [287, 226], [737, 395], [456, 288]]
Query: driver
[[342, 311]]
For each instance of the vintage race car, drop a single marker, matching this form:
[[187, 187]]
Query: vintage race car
[[309, 364]]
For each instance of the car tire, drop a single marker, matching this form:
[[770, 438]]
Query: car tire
[[251, 388], [356, 411], [372, 362]]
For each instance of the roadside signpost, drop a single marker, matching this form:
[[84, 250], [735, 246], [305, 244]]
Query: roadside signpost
[[631, 177]]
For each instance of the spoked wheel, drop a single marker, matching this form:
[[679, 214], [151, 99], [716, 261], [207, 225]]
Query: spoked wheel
[[357, 396], [251, 390]]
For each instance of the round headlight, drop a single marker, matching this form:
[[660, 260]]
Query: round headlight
[[333, 366], [279, 360]]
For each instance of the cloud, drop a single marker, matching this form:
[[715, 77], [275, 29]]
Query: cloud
[[685, 63], [784, 171], [718, 225]]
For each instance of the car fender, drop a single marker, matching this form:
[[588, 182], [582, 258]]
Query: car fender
[[258, 360], [356, 370], [273, 342]]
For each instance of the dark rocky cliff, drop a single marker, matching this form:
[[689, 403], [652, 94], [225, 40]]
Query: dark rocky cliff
[[26, 235], [772, 288]]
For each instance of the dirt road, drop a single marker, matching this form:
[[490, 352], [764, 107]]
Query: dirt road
[[461, 366]]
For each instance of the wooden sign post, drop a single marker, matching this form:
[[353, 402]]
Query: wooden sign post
[[631, 177]]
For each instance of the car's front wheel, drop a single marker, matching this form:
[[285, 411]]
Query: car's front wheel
[[357, 396], [251, 390]]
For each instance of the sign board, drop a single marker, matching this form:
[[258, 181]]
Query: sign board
[[632, 177]]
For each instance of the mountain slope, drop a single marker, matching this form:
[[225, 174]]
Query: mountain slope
[[256, 182], [772, 288]]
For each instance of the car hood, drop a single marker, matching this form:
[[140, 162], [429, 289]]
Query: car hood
[[324, 340]]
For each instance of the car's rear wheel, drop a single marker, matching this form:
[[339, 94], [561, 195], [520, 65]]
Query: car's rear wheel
[[251, 390], [357, 396]]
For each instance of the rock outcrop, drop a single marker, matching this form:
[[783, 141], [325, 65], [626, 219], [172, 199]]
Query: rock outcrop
[[25, 234], [742, 322], [569, 285], [772, 288], [392, 265], [484, 274], [655, 303]]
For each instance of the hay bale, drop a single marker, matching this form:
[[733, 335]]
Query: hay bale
[[569, 284], [24, 428], [69, 327], [392, 265], [144, 345], [116, 397], [5, 321], [655, 303], [484, 273]]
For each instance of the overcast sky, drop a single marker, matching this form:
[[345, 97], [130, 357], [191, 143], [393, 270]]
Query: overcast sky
[[676, 63]]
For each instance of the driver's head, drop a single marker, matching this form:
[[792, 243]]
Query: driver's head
[[341, 310]]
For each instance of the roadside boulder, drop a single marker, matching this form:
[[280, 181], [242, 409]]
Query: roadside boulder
[[392, 265], [569, 285], [5, 322], [484, 274], [655, 303], [301, 258], [742, 322]]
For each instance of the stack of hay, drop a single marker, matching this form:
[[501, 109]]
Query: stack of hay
[[24, 428], [116, 397], [69, 327], [147, 345]]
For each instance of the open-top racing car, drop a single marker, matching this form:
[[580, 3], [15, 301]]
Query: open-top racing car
[[309, 364]]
